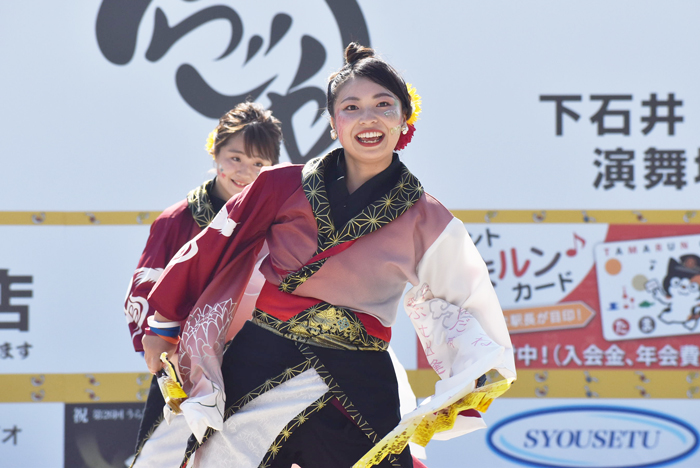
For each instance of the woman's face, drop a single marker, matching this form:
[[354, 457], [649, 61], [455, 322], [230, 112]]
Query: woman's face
[[235, 168], [368, 118]]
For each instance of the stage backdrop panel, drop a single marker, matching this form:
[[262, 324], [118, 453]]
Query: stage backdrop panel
[[527, 105]]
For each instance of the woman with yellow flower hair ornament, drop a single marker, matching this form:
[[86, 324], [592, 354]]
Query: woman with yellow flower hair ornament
[[309, 380], [246, 139]]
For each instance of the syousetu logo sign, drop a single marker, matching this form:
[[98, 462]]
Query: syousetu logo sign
[[593, 436]]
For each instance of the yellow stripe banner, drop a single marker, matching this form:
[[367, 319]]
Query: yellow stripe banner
[[585, 383], [531, 383], [97, 218]]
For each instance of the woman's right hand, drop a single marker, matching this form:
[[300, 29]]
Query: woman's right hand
[[153, 347]]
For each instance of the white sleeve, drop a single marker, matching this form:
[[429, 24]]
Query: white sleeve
[[456, 313]]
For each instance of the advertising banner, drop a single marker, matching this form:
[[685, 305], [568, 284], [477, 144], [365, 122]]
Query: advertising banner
[[572, 433], [101, 434], [60, 296], [618, 294], [54, 435]]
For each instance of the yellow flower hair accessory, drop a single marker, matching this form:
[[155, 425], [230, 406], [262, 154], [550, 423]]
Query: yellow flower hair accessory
[[211, 140], [415, 103], [410, 128]]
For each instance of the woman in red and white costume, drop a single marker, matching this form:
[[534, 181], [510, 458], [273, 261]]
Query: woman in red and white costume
[[246, 139], [308, 380]]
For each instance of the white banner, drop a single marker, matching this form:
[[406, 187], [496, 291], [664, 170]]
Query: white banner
[[575, 433], [76, 279], [527, 105], [31, 435]]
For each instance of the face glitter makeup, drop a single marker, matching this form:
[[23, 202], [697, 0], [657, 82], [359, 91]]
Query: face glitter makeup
[[391, 113]]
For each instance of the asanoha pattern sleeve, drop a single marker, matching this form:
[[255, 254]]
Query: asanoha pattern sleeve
[[454, 307]]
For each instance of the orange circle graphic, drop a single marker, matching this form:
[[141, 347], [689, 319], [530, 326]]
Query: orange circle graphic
[[613, 266]]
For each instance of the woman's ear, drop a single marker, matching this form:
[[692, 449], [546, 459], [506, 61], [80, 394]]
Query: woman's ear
[[334, 134]]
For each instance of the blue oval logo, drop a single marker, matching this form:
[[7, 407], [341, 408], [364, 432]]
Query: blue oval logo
[[593, 436]]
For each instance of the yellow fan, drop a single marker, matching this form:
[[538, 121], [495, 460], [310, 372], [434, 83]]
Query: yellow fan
[[419, 427], [170, 385]]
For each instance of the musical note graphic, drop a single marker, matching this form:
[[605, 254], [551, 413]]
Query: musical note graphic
[[628, 301], [574, 251]]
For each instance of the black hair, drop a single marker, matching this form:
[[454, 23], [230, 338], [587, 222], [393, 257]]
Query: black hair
[[362, 62]]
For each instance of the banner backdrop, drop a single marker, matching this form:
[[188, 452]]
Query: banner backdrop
[[563, 135], [600, 298]]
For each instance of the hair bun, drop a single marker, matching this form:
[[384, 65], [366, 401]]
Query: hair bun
[[355, 52]]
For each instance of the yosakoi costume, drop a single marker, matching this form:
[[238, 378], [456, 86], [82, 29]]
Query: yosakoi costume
[[309, 380], [169, 232]]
